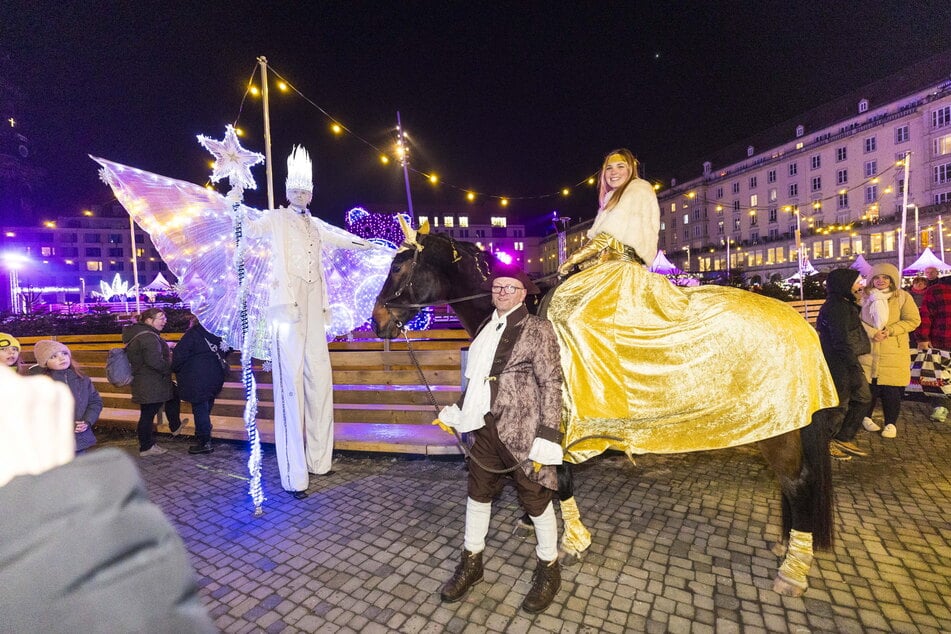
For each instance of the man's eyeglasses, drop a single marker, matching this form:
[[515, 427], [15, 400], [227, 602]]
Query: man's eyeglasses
[[508, 289]]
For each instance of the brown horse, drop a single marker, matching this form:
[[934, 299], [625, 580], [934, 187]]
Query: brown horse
[[431, 269]]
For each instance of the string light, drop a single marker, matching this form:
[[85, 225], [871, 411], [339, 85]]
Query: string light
[[402, 148]]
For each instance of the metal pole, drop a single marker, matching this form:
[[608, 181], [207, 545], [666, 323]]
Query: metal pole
[[135, 265], [268, 165], [728, 240], [904, 217], [917, 230], [802, 291], [404, 158], [941, 238]]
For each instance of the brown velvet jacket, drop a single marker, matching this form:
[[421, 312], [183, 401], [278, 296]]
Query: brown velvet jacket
[[526, 390]]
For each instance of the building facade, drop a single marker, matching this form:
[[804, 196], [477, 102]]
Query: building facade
[[67, 259], [499, 236], [835, 182]]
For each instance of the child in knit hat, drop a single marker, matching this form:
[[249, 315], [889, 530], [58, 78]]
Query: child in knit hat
[[54, 360], [9, 350]]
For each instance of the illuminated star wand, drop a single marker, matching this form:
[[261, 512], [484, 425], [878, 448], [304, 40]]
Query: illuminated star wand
[[234, 163]]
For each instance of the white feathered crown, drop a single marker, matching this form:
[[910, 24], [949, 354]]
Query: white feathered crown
[[299, 170]]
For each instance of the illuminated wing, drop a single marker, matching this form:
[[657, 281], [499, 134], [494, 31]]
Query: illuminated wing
[[354, 279], [192, 229]]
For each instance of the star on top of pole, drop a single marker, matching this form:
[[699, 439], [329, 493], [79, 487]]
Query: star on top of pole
[[231, 160]]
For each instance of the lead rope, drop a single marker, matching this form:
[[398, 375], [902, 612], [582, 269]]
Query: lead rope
[[432, 400]]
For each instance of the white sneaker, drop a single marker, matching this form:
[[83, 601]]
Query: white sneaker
[[940, 414], [869, 424], [154, 450], [889, 432]]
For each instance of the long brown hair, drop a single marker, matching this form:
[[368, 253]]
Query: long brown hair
[[603, 187], [150, 313]]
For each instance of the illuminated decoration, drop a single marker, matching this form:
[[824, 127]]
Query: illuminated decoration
[[504, 257], [383, 229], [300, 171], [119, 288], [224, 277], [231, 160]]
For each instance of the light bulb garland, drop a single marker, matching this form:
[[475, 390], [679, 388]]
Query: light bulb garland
[[401, 155], [234, 163]]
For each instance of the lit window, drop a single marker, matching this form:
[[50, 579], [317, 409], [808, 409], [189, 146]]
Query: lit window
[[463, 221], [498, 221], [448, 221], [93, 266]]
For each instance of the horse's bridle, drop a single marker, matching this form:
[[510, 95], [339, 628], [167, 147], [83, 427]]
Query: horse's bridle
[[407, 285]]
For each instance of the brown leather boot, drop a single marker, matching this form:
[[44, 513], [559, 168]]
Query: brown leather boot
[[468, 573], [545, 585]]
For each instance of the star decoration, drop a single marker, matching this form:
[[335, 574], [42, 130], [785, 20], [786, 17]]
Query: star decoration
[[231, 160]]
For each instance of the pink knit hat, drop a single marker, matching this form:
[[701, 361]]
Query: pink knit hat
[[46, 348]]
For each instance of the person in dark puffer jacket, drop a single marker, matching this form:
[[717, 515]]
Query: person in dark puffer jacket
[[200, 367], [843, 339]]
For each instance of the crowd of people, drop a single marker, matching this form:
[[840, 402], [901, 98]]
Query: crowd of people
[[513, 404]]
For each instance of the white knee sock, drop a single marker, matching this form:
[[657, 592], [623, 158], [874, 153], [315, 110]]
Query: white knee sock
[[546, 532], [478, 515]]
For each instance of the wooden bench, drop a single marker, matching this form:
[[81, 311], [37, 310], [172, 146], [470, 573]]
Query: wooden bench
[[380, 402], [809, 308]]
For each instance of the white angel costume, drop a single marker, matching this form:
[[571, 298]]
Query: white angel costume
[[308, 282]]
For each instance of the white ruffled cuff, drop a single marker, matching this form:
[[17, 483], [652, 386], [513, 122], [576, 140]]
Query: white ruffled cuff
[[546, 452], [454, 417], [450, 415]]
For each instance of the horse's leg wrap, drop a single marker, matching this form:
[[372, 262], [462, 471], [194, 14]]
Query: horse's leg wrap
[[793, 576], [576, 538]]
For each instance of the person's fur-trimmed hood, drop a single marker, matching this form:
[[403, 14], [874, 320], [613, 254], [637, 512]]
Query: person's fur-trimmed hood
[[884, 268]]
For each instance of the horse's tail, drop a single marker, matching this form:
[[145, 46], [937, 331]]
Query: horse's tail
[[816, 460]]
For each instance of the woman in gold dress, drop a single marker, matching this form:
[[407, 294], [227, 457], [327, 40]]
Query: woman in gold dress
[[651, 367]]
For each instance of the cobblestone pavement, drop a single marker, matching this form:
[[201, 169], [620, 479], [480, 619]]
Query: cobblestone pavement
[[681, 544]]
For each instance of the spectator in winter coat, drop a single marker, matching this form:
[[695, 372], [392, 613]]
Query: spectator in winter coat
[[888, 366], [935, 331], [152, 386], [200, 367], [54, 360], [843, 339]]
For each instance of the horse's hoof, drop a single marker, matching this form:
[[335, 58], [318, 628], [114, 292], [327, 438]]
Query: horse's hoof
[[568, 558], [788, 589], [523, 530], [778, 549]]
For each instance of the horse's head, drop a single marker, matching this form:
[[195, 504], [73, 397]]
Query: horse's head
[[430, 269]]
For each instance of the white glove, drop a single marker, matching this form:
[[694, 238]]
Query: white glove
[[36, 423]]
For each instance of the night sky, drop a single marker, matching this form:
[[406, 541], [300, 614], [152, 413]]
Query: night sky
[[517, 99]]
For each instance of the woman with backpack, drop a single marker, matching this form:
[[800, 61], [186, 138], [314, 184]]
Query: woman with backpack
[[152, 385], [199, 364]]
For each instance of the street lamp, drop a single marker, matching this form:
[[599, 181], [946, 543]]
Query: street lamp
[[687, 249], [13, 262], [917, 229], [727, 241]]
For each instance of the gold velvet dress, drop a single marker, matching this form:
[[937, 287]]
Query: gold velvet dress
[[650, 367]]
